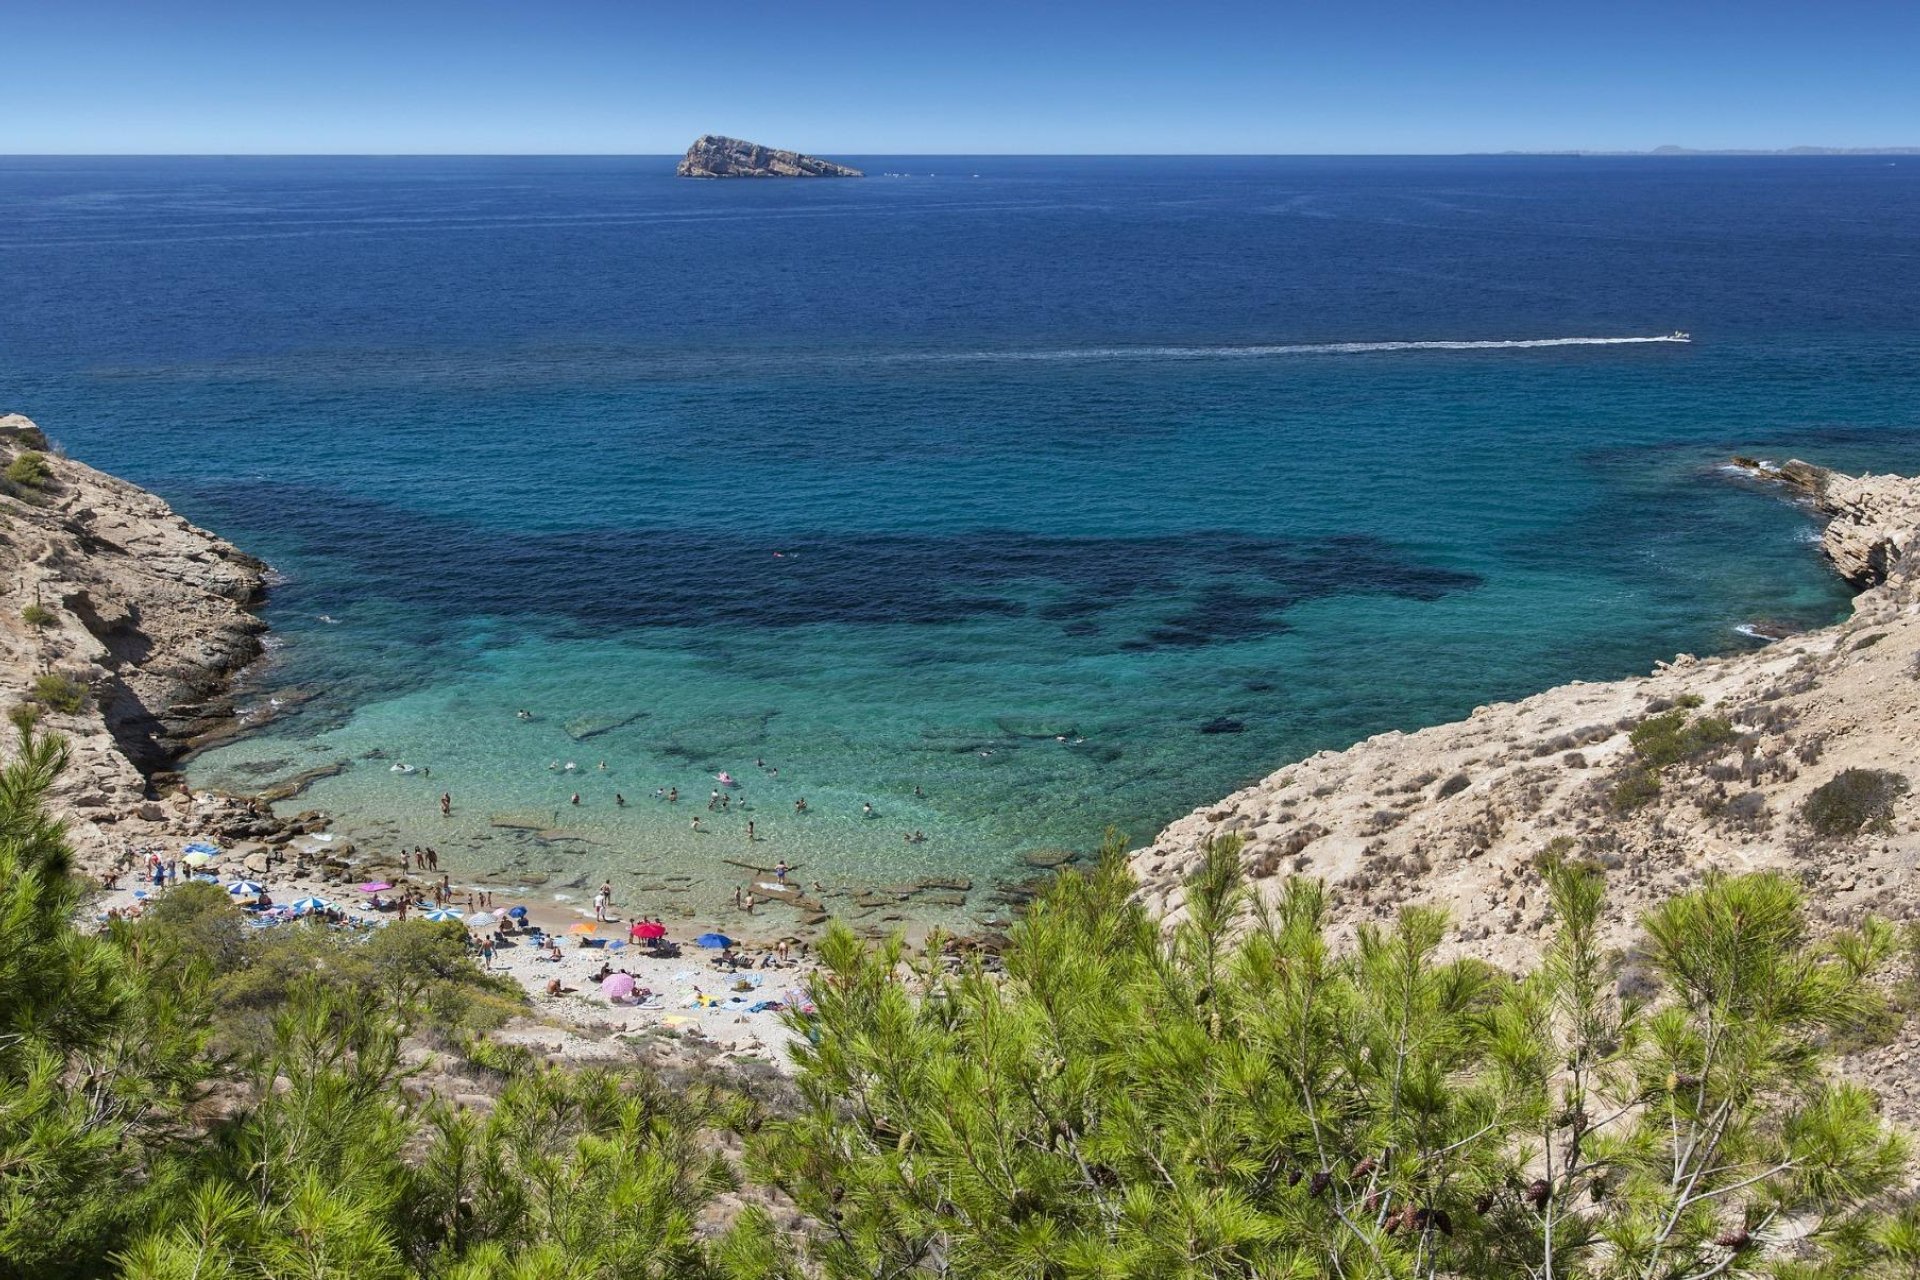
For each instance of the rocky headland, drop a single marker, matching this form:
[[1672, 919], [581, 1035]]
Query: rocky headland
[[714, 156], [1798, 757], [125, 626]]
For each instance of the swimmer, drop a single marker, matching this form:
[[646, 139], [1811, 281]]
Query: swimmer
[[571, 766], [619, 800], [696, 822], [760, 762], [576, 797], [603, 766], [800, 805], [918, 794], [866, 810], [750, 836], [553, 766], [673, 795], [523, 714]]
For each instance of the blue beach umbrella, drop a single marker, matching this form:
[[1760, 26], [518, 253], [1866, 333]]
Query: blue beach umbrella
[[715, 940], [301, 906], [246, 888], [518, 913], [441, 913]]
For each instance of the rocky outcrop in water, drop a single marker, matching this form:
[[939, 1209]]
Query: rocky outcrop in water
[[1461, 815], [113, 602], [713, 156]]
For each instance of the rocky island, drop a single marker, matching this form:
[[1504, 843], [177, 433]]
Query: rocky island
[[714, 156]]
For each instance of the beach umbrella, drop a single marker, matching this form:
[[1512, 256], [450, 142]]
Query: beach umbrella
[[480, 919], [374, 886], [648, 929], [440, 913], [518, 913], [246, 888], [617, 986], [585, 926], [301, 906], [713, 940], [198, 858], [201, 846]]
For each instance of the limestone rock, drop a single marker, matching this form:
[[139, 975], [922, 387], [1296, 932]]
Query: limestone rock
[[713, 156]]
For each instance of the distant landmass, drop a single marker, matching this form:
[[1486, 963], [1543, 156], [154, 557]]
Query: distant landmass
[[713, 156], [1693, 151]]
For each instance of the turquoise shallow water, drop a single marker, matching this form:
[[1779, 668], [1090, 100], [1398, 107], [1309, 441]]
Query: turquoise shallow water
[[1093, 450]]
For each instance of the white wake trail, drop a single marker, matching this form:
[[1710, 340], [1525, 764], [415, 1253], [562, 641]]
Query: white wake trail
[[1260, 352]]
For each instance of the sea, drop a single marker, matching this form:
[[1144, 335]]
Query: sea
[[993, 506]]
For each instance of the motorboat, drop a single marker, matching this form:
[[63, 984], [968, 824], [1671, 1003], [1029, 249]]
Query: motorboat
[[1679, 335]]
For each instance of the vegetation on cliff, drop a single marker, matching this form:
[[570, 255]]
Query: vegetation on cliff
[[1246, 1096]]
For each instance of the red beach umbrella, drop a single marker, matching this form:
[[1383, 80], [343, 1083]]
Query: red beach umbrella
[[648, 929]]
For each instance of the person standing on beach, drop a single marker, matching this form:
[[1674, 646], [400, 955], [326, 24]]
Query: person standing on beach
[[749, 830], [780, 868], [446, 804], [433, 858], [602, 899]]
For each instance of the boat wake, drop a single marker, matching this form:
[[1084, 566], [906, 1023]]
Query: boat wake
[[1287, 349]]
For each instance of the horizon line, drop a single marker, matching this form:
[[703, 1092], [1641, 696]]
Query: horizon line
[[1802, 152]]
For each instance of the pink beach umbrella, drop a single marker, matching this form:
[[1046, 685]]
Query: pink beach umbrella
[[617, 986]]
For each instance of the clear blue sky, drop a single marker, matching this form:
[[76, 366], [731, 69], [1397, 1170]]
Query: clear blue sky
[[895, 76]]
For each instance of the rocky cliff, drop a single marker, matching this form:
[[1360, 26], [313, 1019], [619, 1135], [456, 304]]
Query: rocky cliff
[[125, 624], [1727, 773], [713, 156]]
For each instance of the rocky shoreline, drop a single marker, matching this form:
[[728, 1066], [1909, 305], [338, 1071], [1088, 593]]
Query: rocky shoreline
[[1728, 777], [126, 625]]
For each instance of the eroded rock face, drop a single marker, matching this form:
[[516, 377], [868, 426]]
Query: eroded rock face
[[713, 156], [1460, 815], [106, 586]]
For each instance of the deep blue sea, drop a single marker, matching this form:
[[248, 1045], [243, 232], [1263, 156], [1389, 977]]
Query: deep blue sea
[[1004, 479]]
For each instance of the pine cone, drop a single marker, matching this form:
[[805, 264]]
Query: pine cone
[[1442, 1221], [1320, 1182], [1483, 1204], [1293, 1177], [1364, 1168], [1737, 1238], [1538, 1193]]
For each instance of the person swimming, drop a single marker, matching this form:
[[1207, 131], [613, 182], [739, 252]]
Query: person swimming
[[523, 714]]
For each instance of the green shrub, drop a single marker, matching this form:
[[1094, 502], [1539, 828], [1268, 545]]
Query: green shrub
[[1636, 787], [1671, 738], [60, 693], [36, 615], [29, 470], [1854, 801]]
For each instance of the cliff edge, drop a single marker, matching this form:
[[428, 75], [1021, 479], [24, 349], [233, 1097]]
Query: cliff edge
[[125, 624], [713, 156], [1802, 757]]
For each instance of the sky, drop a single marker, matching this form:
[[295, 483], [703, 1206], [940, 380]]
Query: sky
[[851, 78]]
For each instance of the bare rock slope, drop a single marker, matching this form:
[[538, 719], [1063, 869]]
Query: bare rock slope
[[1803, 757], [713, 156], [1459, 814], [126, 624]]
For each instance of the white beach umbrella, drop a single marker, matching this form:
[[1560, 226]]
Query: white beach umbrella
[[246, 888]]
